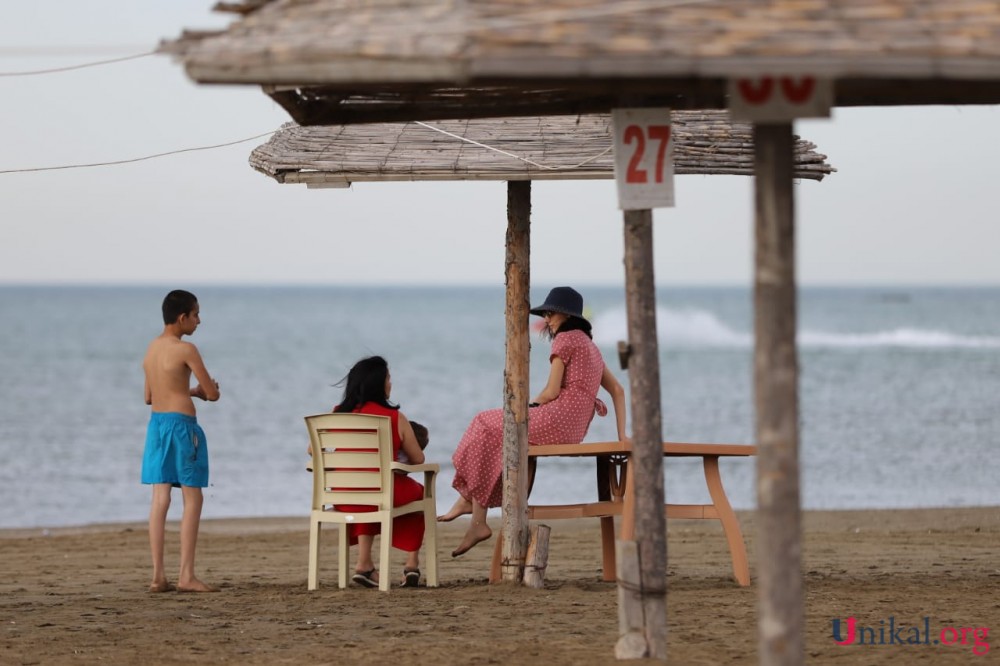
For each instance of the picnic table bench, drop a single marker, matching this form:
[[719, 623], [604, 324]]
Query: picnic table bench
[[615, 497]]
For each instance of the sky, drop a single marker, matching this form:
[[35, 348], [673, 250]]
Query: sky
[[914, 200]]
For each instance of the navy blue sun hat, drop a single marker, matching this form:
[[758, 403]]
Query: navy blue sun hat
[[566, 300]]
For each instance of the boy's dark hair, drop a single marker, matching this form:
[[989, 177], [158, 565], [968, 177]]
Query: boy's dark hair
[[176, 303], [365, 383], [420, 431]]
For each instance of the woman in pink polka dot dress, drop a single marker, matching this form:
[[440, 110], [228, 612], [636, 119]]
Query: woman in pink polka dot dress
[[560, 414]]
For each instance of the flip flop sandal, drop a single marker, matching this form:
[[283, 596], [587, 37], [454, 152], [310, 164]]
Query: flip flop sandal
[[365, 578], [411, 577]]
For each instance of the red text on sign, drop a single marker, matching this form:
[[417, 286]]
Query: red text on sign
[[794, 91], [634, 134]]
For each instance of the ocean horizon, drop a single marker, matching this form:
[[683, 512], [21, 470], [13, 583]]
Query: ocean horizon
[[898, 389]]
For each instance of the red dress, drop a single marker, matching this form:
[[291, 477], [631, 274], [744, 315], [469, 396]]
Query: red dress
[[408, 530], [478, 460]]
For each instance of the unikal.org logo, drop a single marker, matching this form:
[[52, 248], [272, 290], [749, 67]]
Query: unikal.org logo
[[849, 632]]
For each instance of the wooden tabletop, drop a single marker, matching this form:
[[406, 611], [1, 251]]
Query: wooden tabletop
[[669, 449]]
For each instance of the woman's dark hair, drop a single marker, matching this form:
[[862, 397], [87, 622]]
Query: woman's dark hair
[[176, 303], [365, 383], [571, 324]]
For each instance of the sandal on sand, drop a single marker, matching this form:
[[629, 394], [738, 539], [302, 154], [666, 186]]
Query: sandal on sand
[[411, 577], [365, 578]]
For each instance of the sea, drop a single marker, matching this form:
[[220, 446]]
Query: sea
[[899, 390]]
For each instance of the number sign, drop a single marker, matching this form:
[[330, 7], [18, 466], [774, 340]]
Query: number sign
[[779, 98], [644, 158]]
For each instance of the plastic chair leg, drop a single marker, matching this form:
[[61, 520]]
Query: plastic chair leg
[[313, 555]]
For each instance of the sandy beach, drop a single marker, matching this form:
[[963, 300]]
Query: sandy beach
[[78, 595]]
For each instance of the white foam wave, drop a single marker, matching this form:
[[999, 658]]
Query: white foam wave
[[700, 328], [900, 337], [674, 327]]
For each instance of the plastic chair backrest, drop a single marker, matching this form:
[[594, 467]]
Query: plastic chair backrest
[[352, 454]]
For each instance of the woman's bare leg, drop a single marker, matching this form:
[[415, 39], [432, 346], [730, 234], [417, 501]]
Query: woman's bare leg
[[365, 564], [478, 530], [461, 507]]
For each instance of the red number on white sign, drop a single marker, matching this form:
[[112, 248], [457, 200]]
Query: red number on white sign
[[798, 91], [756, 94], [634, 173], [660, 133], [794, 91], [644, 169], [634, 133]]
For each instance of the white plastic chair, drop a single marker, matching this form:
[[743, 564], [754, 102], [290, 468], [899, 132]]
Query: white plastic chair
[[352, 464]]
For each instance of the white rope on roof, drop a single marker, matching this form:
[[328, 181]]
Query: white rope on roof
[[517, 157]]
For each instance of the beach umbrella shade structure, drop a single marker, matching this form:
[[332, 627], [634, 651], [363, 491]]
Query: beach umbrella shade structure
[[503, 149], [340, 61], [516, 150]]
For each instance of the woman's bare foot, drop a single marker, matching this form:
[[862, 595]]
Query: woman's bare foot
[[196, 585], [461, 507], [476, 533], [161, 586]]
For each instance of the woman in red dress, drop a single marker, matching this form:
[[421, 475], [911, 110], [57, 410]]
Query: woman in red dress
[[367, 390], [560, 414]]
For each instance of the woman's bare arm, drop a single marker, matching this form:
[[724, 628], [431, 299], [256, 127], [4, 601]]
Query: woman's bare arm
[[552, 388], [610, 384]]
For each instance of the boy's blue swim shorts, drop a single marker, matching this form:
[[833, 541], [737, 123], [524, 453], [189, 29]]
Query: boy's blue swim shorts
[[176, 451]]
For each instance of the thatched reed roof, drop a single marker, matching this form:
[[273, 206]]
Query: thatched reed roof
[[555, 147], [366, 59]]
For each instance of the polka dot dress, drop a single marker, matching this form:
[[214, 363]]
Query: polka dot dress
[[478, 459]]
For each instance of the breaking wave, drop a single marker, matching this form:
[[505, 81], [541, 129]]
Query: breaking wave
[[700, 328]]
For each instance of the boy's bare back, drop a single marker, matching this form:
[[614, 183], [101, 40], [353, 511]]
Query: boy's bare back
[[168, 366]]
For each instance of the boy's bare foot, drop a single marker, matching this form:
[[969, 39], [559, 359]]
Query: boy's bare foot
[[196, 586], [476, 533], [461, 507], [161, 586]]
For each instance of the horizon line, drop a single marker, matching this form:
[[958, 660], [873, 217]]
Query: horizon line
[[480, 285]]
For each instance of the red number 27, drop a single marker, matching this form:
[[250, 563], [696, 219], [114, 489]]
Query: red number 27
[[634, 134]]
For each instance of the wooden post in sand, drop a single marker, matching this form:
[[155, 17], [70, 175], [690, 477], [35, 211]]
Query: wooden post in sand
[[648, 602], [779, 551], [515, 382], [538, 557]]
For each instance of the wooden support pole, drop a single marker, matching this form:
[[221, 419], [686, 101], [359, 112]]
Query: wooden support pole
[[779, 540], [538, 557], [515, 382], [631, 621], [647, 452]]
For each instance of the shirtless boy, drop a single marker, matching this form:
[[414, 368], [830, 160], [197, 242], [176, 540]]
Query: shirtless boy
[[176, 449]]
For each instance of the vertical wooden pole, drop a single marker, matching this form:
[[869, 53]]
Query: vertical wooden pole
[[538, 557], [779, 541], [647, 445], [515, 382]]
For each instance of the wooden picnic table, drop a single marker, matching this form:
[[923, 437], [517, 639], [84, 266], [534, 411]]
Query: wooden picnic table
[[615, 497]]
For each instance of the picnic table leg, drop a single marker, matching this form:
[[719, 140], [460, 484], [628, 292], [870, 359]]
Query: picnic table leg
[[605, 469], [737, 548], [628, 510], [608, 549], [497, 556]]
